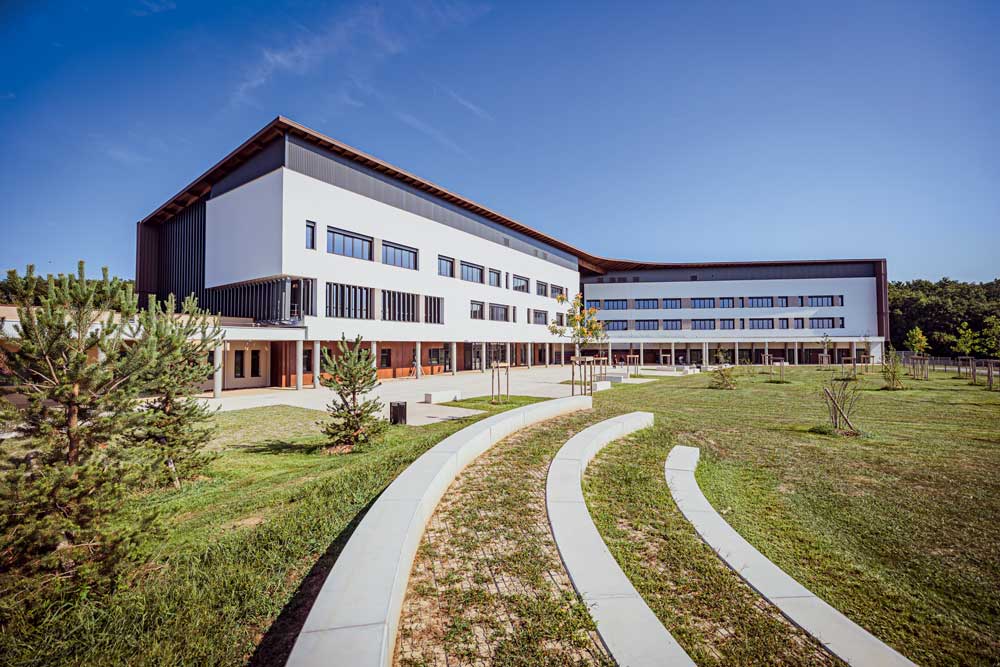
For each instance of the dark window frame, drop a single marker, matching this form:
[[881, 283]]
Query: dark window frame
[[448, 261], [399, 251], [366, 243]]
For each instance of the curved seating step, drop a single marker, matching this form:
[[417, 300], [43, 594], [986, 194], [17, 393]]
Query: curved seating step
[[841, 636], [356, 614], [629, 629]]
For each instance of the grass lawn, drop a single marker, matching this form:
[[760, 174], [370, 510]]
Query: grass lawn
[[238, 545], [899, 529]]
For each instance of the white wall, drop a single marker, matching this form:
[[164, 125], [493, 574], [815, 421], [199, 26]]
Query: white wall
[[859, 310], [243, 232], [306, 198]]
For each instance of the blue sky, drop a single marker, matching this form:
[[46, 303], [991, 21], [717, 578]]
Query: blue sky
[[672, 132]]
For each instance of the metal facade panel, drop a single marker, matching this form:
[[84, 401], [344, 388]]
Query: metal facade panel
[[267, 160], [750, 272]]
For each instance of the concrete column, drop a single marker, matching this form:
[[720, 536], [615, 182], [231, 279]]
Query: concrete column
[[482, 358], [374, 350], [454, 358], [660, 349], [736, 353], [548, 354], [766, 351], [641, 357], [220, 362], [419, 368], [673, 357], [610, 361], [854, 350], [704, 353], [795, 352], [562, 354], [317, 366], [531, 352], [298, 364], [510, 360]]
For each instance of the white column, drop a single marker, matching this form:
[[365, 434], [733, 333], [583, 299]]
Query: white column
[[673, 357], [482, 358], [641, 357], [765, 347], [610, 361], [736, 353], [374, 350], [454, 358], [795, 352], [562, 354], [704, 353], [510, 359], [854, 350], [220, 358], [317, 366], [548, 354], [419, 367], [531, 352], [298, 364], [661, 355]]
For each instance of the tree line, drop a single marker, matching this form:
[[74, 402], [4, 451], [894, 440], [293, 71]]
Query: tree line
[[947, 318]]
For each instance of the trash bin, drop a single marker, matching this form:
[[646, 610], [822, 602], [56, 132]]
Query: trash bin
[[397, 412]]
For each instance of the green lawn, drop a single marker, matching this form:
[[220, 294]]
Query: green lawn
[[238, 544], [899, 529]]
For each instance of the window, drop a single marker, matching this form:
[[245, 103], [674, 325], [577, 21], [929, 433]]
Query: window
[[472, 272], [499, 312], [385, 357], [820, 301], [743, 323], [349, 301], [594, 303], [783, 302], [521, 284], [399, 255], [433, 310], [399, 306], [799, 323], [647, 325], [446, 266], [820, 322], [702, 325], [703, 303], [840, 322], [615, 325], [742, 302], [840, 300], [307, 359], [560, 319], [339, 242], [540, 316], [555, 292], [647, 304], [727, 324], [255, 363], [671, 325], [238, 364], [727, 302], [801, 301], [541, 289], [494, 278], [310, 235], [616, 304], [671, 304], [761, 323], [783, 323], [476, 310], [761, 302]]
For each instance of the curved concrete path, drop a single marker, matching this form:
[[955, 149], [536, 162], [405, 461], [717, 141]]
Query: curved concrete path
[[841, 636], [627, 626], [356, 614]]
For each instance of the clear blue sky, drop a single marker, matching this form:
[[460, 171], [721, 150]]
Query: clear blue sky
[[674, 132]]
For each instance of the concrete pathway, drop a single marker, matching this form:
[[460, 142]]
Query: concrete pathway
[[841, 636]]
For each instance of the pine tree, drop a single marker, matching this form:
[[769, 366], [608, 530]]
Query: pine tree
[[69, 358], [175, 425], [355, 419]]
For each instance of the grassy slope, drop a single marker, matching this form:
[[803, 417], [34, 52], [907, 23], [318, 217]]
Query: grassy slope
[[239, 543], [899, 529]]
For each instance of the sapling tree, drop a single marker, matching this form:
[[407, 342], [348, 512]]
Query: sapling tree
[[841, 398], [892, 370], [355, 415], [916, 341], [722, 376], [582, 326]]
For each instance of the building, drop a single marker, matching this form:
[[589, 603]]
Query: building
[[297, 239]]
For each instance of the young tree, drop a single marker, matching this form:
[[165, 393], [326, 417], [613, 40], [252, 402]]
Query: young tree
[[582, 325], [354, 418], [892, 370], [963, 342], [175, 425], [722, 376], [916, 341], [988, 343]]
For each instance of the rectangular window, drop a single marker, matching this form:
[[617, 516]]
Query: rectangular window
[[647, 325], [801, 301], [399, 255], [761, 323], [433, 310], [703, 303], [727, 324], [742, 302], [499, 312], [477, 310], [238, 364], [399, 306], [310, 235], [783, 323], [541, 289], [349, 301], [616, 304], [615, 325], [727, 302], [494, 278], [761, 302], [820, 301], [840, 300], [647, 304], [472, 272], [385, 357], [446, 266], [702, 325], [307, 360], [840, 322], [520, 284], [783, 302], [540, 316], [671, 304], [255, 363], [594, 303], [799, 323], [671, 325], [339, 242], [820, 322], [560, 319], [555, 292]]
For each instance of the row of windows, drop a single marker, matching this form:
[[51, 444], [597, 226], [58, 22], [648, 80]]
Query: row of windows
[[474, 273], [724, 302], [710, 324], [356, 303], [239, 367], [357, 246]]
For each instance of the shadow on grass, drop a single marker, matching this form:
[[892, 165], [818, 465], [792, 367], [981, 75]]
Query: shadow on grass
[[276, 645], [282, 447]]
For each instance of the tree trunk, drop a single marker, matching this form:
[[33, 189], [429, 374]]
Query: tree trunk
[[72, 421]]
